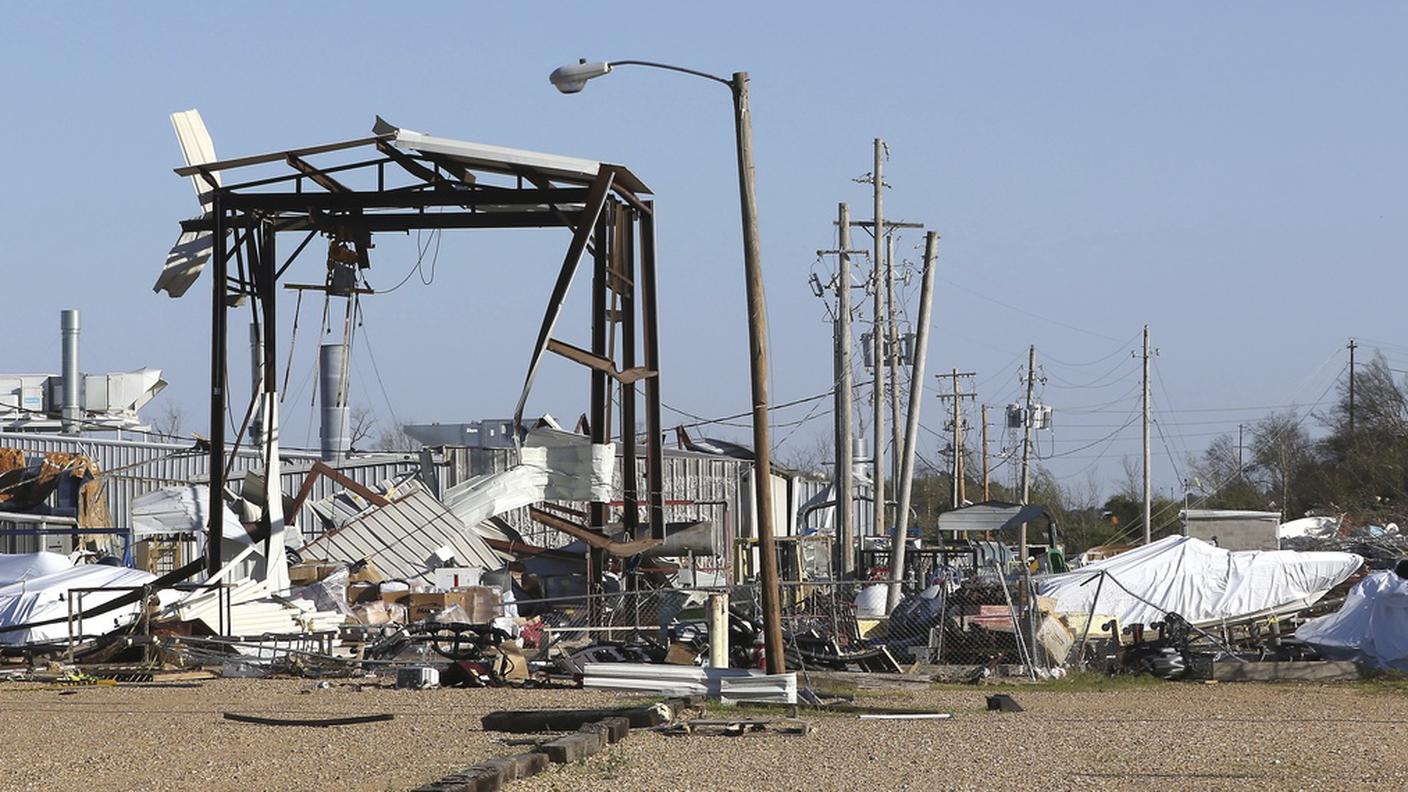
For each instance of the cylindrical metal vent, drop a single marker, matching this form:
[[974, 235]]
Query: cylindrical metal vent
[[332, 434], [71, 410]]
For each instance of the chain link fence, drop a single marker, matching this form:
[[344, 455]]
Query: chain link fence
[[974, 617]]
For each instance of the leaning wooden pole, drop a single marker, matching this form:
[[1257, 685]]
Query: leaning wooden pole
[[911, 430]]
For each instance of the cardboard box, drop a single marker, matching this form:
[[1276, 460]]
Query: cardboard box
[[426, 604], [372, 613], [398, 594], [310, 572], [483, 604], [365, 572], [358, 593]]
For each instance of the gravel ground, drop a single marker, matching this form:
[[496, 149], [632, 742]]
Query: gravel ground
[[1166, 735], [174, 738]]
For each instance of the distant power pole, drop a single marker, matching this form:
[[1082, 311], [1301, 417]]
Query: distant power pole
[[877, 340], [1148, 478], [893, 357], [1027, 448], [1239, 452], [844, 434], [1353, 345], [845, 467], [986, 496], [957, 396]]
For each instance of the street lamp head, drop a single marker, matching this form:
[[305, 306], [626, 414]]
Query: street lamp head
[[573, 77]]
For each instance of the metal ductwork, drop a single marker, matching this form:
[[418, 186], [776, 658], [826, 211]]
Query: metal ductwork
[[332, 434], [71, 408]]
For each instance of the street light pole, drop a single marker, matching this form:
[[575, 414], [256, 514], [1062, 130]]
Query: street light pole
[[571, 79], [758, 374]]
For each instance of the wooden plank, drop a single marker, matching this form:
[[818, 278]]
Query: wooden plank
[[1288, 671], [592, 538], [553, 720]]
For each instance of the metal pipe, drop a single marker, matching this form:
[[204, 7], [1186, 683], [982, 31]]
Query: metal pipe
[[911, 429], [256, 379], [215, 520], [71, 409], [332, 433]]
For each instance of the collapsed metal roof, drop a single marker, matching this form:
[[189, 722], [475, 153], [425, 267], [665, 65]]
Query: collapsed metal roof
[[403, 539]]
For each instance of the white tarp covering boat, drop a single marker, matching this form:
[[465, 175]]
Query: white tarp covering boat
[[15, 567], [45, 598], [1371, 627], [1198, 581]]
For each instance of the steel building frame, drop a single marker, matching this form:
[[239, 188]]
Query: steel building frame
[[599, 203]]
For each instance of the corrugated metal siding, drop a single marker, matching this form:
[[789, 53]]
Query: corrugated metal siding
[[141, 467], [401, 538], [713, 484]]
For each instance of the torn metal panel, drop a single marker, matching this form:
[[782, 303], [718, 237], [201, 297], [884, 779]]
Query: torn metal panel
[[402, 539], [499, 159], [192, 249], [181, 510], [736, 684], [555, 465]]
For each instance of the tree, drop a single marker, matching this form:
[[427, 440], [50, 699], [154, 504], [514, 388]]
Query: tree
[[361, 424], [1223, 478], [170, 421], [1280, 448], [816, 458], [394, 438]]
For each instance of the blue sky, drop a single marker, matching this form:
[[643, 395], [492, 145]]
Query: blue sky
[[1229, 174]]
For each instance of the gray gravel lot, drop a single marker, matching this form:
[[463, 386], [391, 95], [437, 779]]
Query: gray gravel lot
[[1165, 735], [129, 738]]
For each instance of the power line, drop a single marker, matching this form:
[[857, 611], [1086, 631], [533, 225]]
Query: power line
[[1025, 312]]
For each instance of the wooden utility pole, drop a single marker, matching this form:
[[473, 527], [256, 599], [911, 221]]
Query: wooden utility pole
[[1148, 494], [986, 496], [911, 432], [1027, 449], [758, 374], [956, 470], [877, 340], [892, 362], [845, 509], [1353, 345], [1239, 452]]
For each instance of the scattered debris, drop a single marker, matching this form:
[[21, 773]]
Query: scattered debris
[[555, 720], [737, 727], [916, 715], [1002, 702], [417, 678], [350, 720]]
